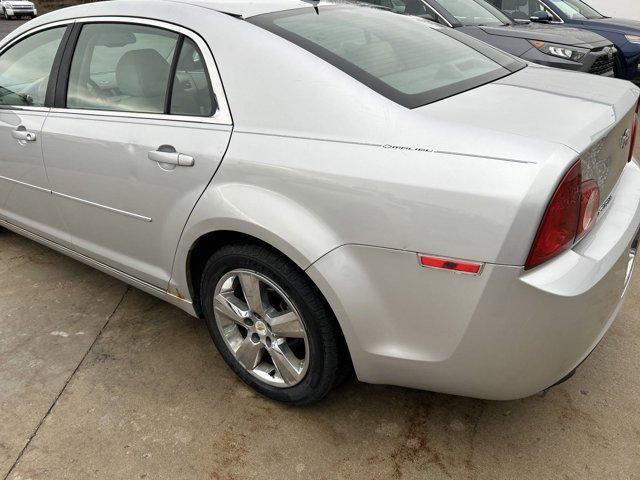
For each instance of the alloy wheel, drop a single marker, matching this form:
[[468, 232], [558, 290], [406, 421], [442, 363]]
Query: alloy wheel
[[261, 328]]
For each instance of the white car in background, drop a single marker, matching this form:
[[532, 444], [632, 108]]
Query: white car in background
[[329, 186], [18, 9]]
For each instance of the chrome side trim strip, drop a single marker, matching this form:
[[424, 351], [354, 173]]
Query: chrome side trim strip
[[181, 303], [24, 108], [57, 112], [24, 184], [80, 200], [104, 207]]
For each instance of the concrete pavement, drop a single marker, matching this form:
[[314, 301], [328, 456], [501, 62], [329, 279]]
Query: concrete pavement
[[99, 380]]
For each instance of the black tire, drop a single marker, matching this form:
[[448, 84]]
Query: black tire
[[326, 365]]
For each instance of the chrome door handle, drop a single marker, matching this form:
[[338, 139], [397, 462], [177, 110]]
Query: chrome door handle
[[172, 158], [23, 135]]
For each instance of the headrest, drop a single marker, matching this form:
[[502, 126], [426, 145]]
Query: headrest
[[142, 73]]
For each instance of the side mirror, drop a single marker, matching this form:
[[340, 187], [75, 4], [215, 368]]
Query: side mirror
[[521, 21], [541, 17]]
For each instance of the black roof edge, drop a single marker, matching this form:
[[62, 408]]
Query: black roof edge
[[234, 15]]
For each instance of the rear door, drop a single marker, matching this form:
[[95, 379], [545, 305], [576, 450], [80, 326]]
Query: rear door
[[139, 127], [25, 73]]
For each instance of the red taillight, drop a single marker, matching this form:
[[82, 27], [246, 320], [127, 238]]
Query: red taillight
[[450, 264], [634, 131], [572, 212], [557, 231]]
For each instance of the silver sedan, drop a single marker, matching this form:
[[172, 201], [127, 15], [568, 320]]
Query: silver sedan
[[332, 187]]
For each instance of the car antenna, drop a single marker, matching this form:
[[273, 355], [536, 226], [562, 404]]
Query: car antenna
[[315, 5]]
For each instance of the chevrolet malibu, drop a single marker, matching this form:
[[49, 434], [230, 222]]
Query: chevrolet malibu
[[332, 187]]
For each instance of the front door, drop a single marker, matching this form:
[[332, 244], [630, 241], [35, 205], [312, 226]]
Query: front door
[[144, 128], [25, 196]]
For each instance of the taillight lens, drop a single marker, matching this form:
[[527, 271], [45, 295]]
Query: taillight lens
[[634, 131], [572, 212], [589, 207], [557, 231]]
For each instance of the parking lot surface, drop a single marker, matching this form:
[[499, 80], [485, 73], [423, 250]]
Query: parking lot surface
[[8, 26], [99, 380]]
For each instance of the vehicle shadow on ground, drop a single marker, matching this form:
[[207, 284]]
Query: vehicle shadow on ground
[[154, 398]]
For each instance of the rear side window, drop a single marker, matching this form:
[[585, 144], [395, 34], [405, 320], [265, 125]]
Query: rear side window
[[192, 93], [121, 67], [137, 68], [406, 59], [25, 69]]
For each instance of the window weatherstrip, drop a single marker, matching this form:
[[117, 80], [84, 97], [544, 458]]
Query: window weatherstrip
[[49, 98], [172, 75], [64, 70]]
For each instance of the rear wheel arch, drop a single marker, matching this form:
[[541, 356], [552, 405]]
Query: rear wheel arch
[[206, 245]]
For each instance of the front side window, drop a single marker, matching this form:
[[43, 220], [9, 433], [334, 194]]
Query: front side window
[[25, 69], [575, 9], [520, 9], [523, 9], [404, 58]]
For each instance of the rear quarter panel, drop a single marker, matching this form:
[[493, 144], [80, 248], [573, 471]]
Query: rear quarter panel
[[317, 160]]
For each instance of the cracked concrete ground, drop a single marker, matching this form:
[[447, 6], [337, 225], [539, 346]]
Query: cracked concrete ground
[[99, 380]]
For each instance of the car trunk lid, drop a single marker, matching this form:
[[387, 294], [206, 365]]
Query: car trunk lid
[[586, 113]]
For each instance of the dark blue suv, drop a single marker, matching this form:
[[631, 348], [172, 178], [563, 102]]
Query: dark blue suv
[[624, 34]]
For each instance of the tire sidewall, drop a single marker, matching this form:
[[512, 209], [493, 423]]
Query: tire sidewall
[[221, 264]]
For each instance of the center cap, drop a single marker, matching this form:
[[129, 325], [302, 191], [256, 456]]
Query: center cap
[[261, 328]]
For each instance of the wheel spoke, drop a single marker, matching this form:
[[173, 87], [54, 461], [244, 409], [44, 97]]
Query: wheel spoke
[[231, 307], [285, 362], [252, 292], [286, 325], [261, 328], [249, 354]]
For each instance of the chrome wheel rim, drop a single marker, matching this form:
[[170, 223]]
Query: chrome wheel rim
[[262, 328]]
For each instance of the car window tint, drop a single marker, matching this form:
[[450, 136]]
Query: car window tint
[[472, 12], [523, 9], [397, 6], [576, 9], [192, 92], [407, 59], [121, 67], [25, 69], [520, 9]]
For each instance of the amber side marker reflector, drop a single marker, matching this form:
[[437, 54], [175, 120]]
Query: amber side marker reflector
[[459, 266]]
